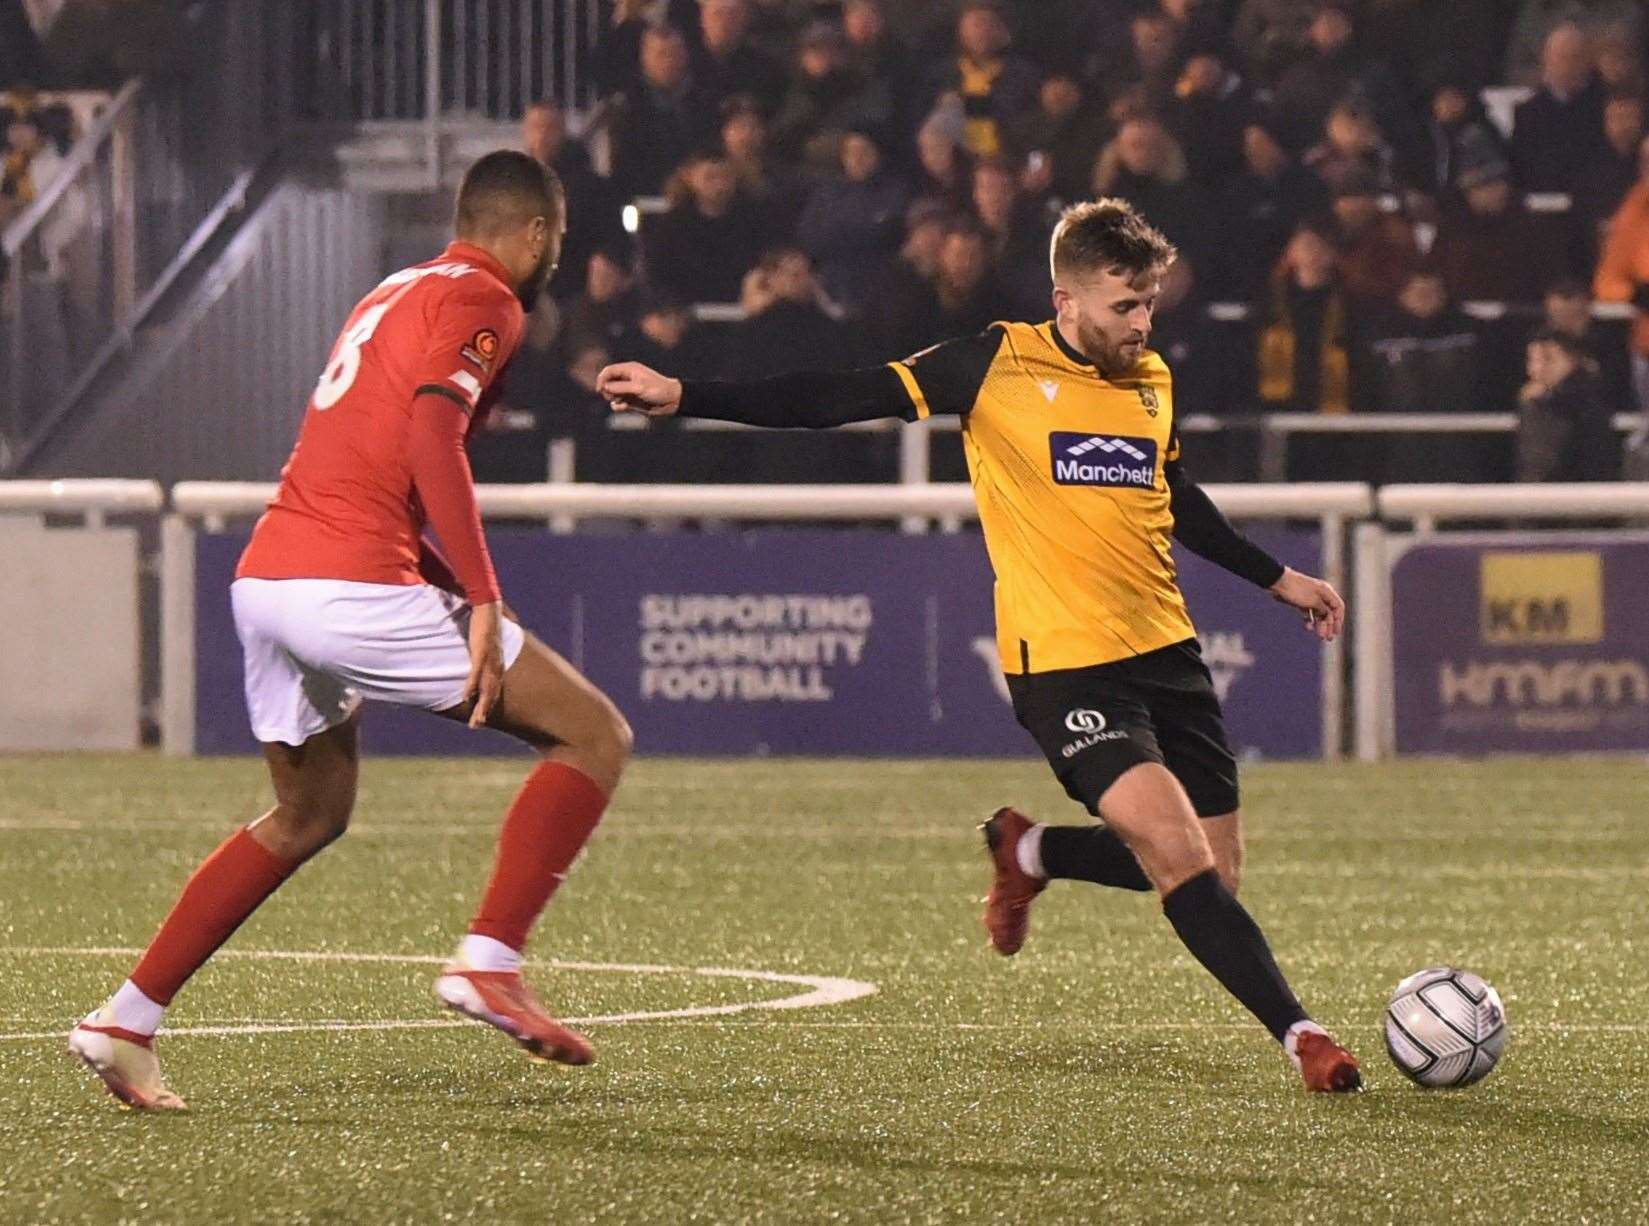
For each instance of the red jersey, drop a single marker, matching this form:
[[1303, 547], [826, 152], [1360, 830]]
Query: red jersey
[[349, 505]]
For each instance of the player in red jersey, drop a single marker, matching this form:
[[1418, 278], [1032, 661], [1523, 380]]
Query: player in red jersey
[[339, 597]]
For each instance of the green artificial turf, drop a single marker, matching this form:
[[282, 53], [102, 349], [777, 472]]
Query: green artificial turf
[[1098, 1076]]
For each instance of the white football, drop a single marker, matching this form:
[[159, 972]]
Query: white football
[[1445, 1027]]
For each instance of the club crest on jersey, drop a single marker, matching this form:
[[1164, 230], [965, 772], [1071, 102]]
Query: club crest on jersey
[[482, 349], [1112, 460], [1148, 398]]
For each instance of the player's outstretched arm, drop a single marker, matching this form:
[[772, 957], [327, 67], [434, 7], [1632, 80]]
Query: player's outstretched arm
[[1202, 528], [812, 400]]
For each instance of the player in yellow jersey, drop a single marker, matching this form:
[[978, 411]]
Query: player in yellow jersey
[[1069, 431]]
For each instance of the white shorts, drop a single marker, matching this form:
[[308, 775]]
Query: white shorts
[[314, 648]]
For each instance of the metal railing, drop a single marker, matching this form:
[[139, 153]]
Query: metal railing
[[377, 61]]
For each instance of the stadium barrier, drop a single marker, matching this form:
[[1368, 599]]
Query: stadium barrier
[[71, 672], [1467, 637], [772, 641], [1495, 640]]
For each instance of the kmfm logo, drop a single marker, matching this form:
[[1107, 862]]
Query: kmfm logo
[[1552, 596]]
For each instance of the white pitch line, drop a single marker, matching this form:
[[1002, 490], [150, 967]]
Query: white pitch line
[[822, 990]]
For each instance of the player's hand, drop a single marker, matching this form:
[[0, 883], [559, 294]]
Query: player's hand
[[1325, 612], [630, 387], [486, 679]]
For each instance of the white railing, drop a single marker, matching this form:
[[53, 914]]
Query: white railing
[[1428, 505], [92, 500]]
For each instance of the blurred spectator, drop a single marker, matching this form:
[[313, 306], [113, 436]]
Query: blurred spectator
[[1421, 354], [1620, 66], [666, 338], [995, 86], [29, 166], [593, 211], [1199, 25], [1145, 166], [1606, 178], [1018, 237], [774, 24], [1304, 365], [1377, 249], [606, 308], [701, 248], [1558, 130], [961, 298], [1460, 133], [826, 99], [1567, 308], [789, 323], [852, 222], [1154, 67], [903, 316], [726, 64], [775, 191], [617, 53], [1211, 106], [1332, 70], [1564, 429], [55, 121], [1623, 270], [1492, 248], [944, 172], [1354, 144], [1439, 42], [1537, 18], [663, 118], [878, 58], [1272, 34], [1262, 206], [1057, 142]]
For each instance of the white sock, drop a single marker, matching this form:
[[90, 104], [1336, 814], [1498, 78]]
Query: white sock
[[134, 1011], [1029, 852], [486, 954], [1291, 1040]]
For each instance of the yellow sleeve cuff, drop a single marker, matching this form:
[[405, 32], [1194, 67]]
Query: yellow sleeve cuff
[[913, 389]]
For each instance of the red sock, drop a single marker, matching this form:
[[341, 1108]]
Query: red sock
[[228, 886], [548, 823]]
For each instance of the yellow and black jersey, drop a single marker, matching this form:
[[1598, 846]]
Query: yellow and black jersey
[[1077, 477], [1068, 470]]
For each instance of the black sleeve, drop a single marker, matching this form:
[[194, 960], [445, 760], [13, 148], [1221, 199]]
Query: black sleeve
[[943, 379], [1202, 528]]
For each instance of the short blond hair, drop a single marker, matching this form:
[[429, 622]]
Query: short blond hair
[[1108, 235]]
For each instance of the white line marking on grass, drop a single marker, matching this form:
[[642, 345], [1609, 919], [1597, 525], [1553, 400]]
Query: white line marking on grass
[[822, 990]]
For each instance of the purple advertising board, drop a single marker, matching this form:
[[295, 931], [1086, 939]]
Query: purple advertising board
[[1521, 643], [794, 642]]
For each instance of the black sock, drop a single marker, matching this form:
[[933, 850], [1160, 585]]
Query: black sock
[[1091, 853], [1226, 940]]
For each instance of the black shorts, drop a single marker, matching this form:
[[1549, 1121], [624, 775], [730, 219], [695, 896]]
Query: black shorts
[[1096, 723]]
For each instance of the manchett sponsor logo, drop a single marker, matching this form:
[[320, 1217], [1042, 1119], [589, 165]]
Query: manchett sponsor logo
[[1103, 460]]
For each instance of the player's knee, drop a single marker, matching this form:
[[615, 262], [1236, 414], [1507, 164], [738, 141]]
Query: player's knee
[[612, 740], [305, 827], [1229, 863]]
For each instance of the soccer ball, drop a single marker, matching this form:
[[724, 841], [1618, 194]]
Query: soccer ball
[[1445, 1027]]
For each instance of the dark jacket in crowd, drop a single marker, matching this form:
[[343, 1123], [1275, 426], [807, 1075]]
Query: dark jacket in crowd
[[1507, 257], [1258, 216], [653, 133], [1415, 365], [786, 337], [1553, 138], [850, 229], [699, 258], [1567, 435]]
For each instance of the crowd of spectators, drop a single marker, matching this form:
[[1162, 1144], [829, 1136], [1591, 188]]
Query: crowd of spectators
[[865, 178]]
